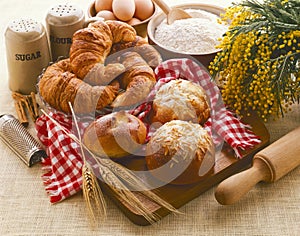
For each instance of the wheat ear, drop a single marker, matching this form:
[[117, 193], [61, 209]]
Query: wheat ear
[[92, 193]]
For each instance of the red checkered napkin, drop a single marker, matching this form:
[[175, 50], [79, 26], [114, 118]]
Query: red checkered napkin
[[63, 166], [63, 176], [223, 124]]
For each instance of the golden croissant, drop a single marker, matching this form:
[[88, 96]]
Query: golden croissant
[[138, 80], [88, 82], [92, 45], [59, 86]]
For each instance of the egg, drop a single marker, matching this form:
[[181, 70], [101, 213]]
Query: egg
[[123, 9], [143, 9], [103, 5], [106, 14], [134, 21]]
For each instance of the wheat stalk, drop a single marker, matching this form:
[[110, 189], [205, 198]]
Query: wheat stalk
[[117, 176], [91, 190], [136, 184], [125, 195]]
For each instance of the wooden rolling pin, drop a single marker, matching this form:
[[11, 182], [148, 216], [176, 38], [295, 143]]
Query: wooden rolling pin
[[269, 165]]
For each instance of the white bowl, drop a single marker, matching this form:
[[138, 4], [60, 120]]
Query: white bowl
[[156, 20]]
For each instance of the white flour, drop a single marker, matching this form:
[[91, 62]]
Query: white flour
[[197, 35]]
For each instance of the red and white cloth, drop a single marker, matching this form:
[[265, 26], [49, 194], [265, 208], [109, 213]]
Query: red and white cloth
[[63, 167]]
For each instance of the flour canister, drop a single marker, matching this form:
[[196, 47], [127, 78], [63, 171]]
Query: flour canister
[[27, 53], [62, 21]]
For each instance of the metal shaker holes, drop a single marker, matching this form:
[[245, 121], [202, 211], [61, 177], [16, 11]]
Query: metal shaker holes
[[63, 10], [24, 25]]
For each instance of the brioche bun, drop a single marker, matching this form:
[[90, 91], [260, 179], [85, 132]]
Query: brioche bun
[[180, 152], [180, 100], [115, 135]]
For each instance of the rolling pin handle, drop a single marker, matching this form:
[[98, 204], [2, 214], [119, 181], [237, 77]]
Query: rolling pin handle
[[233, 188]]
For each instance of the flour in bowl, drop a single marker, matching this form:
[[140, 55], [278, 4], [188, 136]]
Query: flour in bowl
[[196, 35]]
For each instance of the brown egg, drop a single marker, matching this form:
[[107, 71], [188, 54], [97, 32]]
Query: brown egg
[[107, 15], [143, 9], [123, 9], [134, 21], [103, 5]]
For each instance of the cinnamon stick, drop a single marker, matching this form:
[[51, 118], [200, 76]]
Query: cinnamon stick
[[27, 104], [21, 113], [17, 96], [35, 105], [30, 102], [30, 109]]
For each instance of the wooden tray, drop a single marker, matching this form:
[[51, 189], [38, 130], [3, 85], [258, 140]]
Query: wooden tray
[[178, 195]]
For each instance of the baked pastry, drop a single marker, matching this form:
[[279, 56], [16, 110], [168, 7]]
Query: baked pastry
[[137, 80], [180, 100], [115, 135], [180, 152], [102, 74], [62, 81], [138, 41], [142, 47], [59, 86], [87, 81], [92, 45]]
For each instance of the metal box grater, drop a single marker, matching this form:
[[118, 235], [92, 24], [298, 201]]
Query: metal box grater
[[20, 141]]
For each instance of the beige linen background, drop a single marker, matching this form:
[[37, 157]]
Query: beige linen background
[[269, 209]]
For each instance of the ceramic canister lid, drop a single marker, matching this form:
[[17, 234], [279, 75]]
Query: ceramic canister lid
[[24, 30], [64, 14]]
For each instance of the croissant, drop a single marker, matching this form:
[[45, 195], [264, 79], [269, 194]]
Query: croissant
[[138, 80], [86, 80], [138, 41], [90, 46], [59, 86], [142, 47], [103, 75], [121, 32], [149, 54]]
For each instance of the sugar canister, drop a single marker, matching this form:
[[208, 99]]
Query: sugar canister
[[27, 53]]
